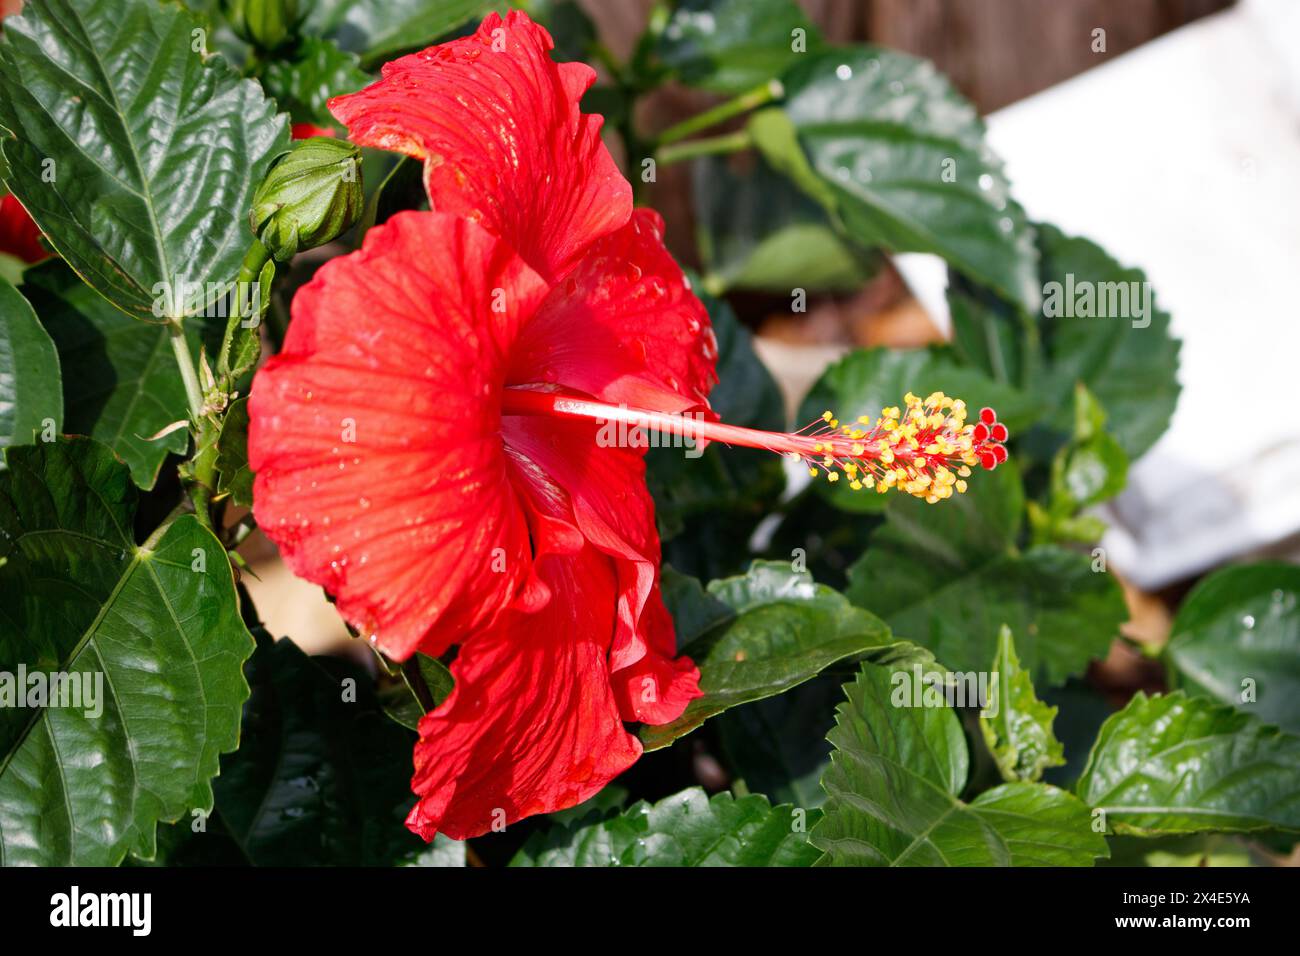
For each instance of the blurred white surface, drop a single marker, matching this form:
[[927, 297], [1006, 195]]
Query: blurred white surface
[[1183, 158]]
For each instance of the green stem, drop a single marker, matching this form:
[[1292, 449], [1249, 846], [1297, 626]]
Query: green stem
[[744, 103], [189, 374], [726, 143]]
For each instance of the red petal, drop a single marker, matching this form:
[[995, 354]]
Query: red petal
[[615, 513], [308, 130], [501, 137], [414, 525], [532, 725], [623, 327], [19, 234]]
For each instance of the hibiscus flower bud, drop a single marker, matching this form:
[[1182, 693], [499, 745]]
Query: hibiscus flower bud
[[267, 24], [311, 195]]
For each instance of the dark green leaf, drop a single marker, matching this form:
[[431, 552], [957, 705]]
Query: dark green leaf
[[1018, 727], [893, 786], [379, 30], [322, 775], [159, 623], [729, 46], [403, 702], [949, 575], [136, 155], [991, 334], [1088, 469], [885, 143], [1178, 764], [686, 829], [778, 629], [234, 476], [756, 231], [1237, 639], [31, 391], [1199, 850], [778, 745], [304, 84], [442, 852], [867, 380], [1128, 361], [120, 381]]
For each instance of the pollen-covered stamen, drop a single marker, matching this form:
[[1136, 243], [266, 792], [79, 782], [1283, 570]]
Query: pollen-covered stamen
[[926, 449]]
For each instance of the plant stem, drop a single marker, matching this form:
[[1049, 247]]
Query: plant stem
[[726, 143], [749, 100], [189, 375]]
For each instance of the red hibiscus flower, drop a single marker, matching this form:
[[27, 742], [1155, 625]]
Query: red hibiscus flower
[[389, 470], [19, 235], [428, 442]]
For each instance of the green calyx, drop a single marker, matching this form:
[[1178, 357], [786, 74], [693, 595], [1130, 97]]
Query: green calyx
[[310, 196]]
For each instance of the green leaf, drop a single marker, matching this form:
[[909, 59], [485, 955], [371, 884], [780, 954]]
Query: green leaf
[[379, 30], [120, 381], [1177, 764], [402, 702], [442, 852], [761, 633], [1237, 639], [893, 787], [1090, 468], [1018, 727], [778, 745], [729, 46], [136, 155], [1128, 362], [30, 383], [886, 144], [1199, 850], [867, 380], [234, 477], [756, 231], [303, 85], [706, 503], [322, 775], [686, 829], [991, 334], [949, 575], [159, 624]]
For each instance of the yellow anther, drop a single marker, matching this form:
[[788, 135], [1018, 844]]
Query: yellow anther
[[833, 476], [827, 416], [960, 486]]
